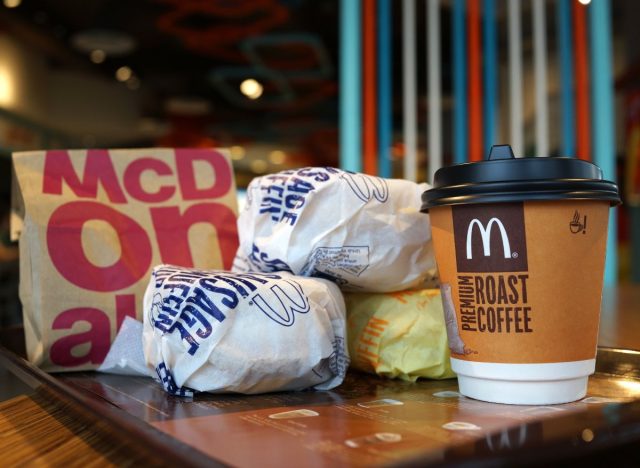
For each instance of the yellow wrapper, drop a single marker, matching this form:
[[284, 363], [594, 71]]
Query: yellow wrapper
[[401, 334]]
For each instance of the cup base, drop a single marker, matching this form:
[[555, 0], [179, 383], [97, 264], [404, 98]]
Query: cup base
[[523, 392], [524, 384]]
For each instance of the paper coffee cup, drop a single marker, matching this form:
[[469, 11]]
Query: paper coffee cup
[[520, 247]]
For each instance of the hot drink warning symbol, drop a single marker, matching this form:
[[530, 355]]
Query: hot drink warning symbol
[[576, 226]]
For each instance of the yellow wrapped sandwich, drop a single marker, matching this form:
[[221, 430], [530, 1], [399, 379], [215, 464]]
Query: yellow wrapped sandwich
[[401, 334]]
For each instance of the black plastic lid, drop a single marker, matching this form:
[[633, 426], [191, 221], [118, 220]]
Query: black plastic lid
[[504, 178]]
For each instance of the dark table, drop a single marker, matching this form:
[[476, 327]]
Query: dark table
[[367, 421]]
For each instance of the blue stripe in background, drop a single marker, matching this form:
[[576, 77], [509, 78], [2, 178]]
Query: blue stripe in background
[[385, 109], [459, 77], [604, 145], [567, 99], [490, 77], [350, 86]]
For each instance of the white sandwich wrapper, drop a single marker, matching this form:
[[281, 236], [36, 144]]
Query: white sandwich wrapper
[[217, 331], [364, 233]]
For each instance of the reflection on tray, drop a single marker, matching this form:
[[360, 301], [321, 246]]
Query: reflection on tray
[[299, 413], [378, 403], [367, 420], [372, 439]]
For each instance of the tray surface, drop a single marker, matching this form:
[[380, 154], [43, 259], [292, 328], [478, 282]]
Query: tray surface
[[374, 421]]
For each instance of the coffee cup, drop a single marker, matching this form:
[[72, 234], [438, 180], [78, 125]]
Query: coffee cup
[[520, 247]]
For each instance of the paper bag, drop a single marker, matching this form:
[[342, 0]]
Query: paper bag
[[91, 225]]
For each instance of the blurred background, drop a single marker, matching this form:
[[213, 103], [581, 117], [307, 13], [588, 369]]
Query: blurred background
[[406, 85]]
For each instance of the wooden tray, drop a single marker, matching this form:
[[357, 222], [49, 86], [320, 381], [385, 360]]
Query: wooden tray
[[366, 421]]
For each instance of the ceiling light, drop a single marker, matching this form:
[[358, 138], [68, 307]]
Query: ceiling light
[[587, 434], [7, 91], [12, 3], [97, 56], [277, 157], [259, 166], [251, 88], [585, 2], [123, 74], [237, 152]]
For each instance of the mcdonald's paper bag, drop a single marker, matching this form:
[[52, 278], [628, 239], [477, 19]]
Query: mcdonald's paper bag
[[364, 233], [92, 223], [399, 335]]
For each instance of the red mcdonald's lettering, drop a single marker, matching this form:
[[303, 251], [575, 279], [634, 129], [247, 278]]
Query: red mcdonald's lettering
[[172, 230], [98, 168], [98, 336], [186, 175], [133, 184], [64, 241]]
